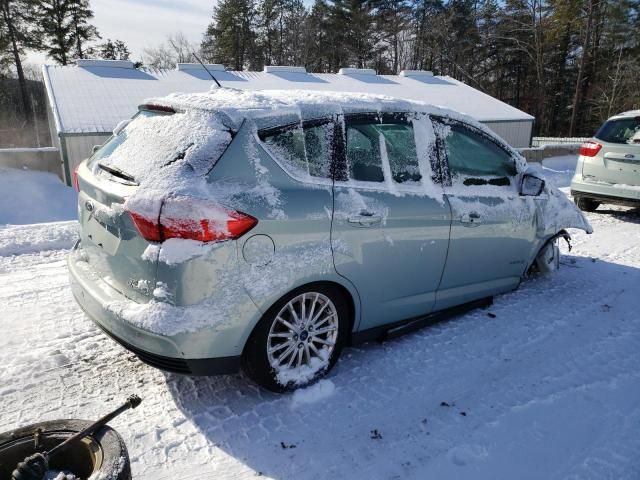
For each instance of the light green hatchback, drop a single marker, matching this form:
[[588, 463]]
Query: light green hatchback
[[268, 230]]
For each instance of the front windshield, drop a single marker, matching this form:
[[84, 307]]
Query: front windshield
[[624, 130]]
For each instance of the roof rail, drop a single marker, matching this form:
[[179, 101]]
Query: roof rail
[[214, 67], [357, 71], [95, 62], [283, 68], [416, 73]]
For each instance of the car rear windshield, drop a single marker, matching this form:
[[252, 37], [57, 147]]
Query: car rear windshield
[[622, 130], [155, 139]]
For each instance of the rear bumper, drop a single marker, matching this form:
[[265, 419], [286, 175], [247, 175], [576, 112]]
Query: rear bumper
[[187, 353], [605, 193], [192, 366]]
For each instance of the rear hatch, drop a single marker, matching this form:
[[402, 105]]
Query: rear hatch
[[110, 243], [160, 152], [617, 160]]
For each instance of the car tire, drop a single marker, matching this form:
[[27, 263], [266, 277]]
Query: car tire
[[80, 459], [586, 204], [313, 346]]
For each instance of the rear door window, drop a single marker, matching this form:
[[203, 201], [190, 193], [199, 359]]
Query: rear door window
[[374, 144], [304, 149]]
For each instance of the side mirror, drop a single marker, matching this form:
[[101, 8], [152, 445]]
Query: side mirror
[[95, 149], [531, 185]]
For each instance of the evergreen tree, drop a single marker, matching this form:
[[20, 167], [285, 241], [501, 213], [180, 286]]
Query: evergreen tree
[[64, 28], [55, 28], [82, 32], [361, 38], [393, 18], [230, 38], [429, 33], [317, 36], [18, 33], [280, 31], [110, 50]]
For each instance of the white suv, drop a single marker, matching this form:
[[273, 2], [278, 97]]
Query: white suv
[[608, 170]]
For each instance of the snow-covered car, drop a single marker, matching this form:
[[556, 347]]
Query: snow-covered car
[[608, 169], [267, 230]]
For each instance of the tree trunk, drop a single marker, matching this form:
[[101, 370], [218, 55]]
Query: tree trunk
[[26, 105], [583, 63]]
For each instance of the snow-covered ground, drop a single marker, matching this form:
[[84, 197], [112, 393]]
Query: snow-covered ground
[[545, 384], [28, 197]]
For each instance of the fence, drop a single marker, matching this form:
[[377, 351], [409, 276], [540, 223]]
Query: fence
[[541, 141]]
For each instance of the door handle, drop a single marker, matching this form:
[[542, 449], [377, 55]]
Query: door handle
[[471, 219], [366, 219]]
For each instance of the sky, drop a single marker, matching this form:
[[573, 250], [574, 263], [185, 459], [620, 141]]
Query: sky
[[144, 23]]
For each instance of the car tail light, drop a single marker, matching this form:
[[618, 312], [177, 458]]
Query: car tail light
[[193, 219], [590, 149], [74, 179]]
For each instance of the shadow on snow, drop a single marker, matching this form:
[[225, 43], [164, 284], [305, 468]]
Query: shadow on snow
[[386, 416]]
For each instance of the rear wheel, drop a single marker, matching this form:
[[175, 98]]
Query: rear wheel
[[299, 339], [586, 204]]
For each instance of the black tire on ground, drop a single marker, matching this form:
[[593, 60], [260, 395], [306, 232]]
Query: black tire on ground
[[586, 204], [111, 462], [255, 362]]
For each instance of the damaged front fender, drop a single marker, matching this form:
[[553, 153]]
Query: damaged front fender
[[555, 212]]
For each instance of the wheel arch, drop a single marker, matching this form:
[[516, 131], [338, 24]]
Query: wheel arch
[[348, 292], [562, 233]]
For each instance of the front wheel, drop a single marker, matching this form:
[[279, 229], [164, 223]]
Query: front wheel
[[299, 339]]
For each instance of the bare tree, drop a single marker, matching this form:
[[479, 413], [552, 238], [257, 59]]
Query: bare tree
[[175, 49]]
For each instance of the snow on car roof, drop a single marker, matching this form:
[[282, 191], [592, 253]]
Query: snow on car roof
[[94, 97], [630, 113], [278, 107]]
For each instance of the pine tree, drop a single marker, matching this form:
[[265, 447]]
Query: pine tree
[[361, 37], [82, 32], [280, 32], [393, 18], [230, 38], [110, 50], [55, 27], [428, 33], [317, 38], [18, 34]]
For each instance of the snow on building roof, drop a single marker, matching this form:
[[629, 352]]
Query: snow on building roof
[[94, 96]]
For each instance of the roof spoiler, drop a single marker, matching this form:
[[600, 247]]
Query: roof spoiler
[[150, 107]]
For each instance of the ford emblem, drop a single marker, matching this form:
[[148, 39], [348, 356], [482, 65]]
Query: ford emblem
[[88, 206], [629, 155]]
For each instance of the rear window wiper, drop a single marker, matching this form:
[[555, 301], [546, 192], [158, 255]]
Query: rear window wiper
[[116, 172]]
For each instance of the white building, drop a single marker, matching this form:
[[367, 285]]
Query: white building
[[86, 101]]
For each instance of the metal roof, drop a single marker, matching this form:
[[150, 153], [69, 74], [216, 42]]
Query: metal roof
[[95, 95]]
